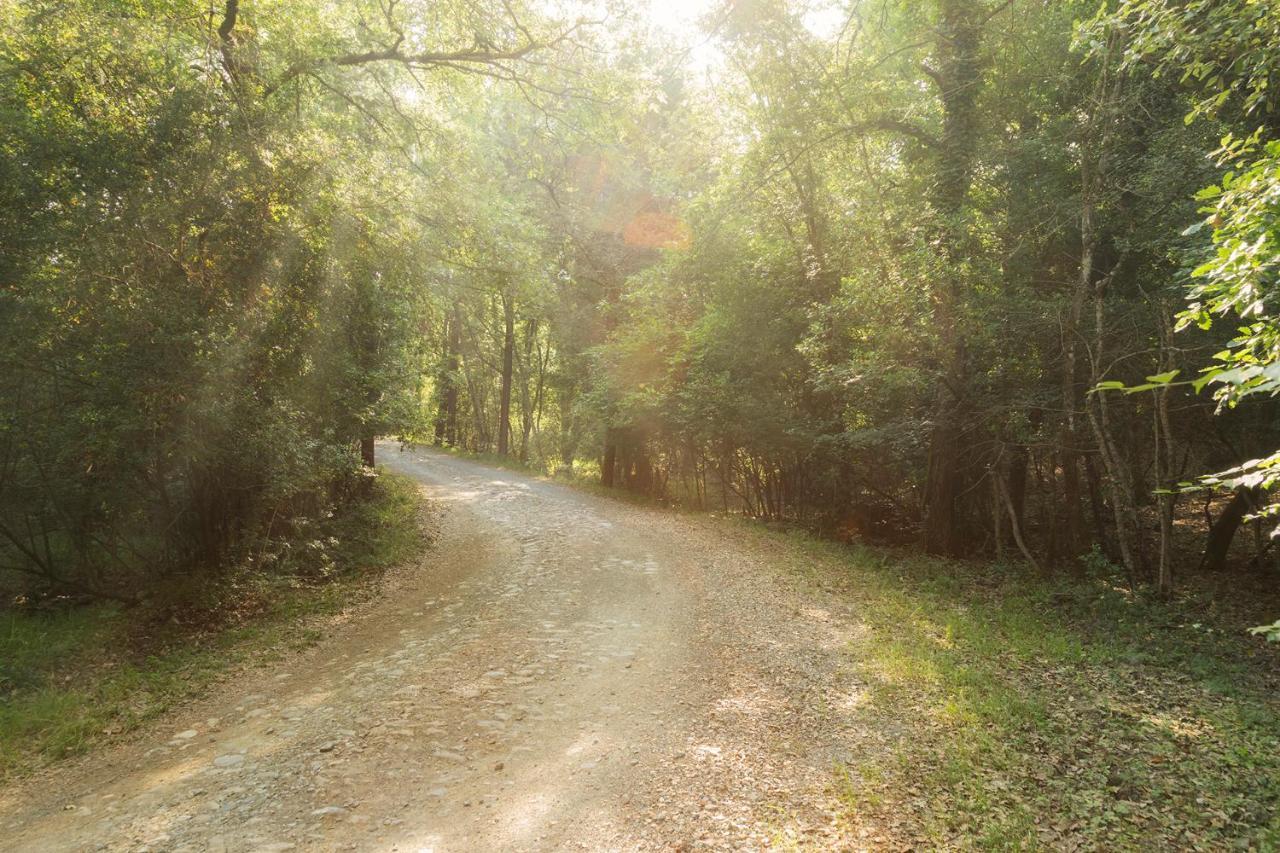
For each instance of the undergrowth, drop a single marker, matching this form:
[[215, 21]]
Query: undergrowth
[[1025, 713], [72, 677]]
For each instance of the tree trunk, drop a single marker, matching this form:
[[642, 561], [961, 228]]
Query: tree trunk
[[997, 516], [610, 460], [366, 452], [568, 428], [941, 533], [508, 356], [1018, 481], [958, 79], [1223, 531], [451, 389], [1119, 480], [438, 433], [1069, 436], [1073, 528], [1015, 525], [1098, 508], [447, 379], [1164, 455], [527, 404]]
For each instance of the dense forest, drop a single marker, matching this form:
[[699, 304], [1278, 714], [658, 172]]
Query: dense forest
[[991, 278]]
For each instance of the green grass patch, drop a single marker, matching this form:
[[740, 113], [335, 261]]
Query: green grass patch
[[71, 678], [1029, 713]]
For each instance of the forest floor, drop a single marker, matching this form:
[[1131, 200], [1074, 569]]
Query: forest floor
[[566, 671]]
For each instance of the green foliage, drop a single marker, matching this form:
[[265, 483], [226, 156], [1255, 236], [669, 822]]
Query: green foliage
[[1224, 51], [1191, 40], [1243, 276], [71, 677], [1271, 632], [199, 319], [871, 259]]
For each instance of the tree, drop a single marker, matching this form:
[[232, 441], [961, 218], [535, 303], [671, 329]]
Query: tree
[[214, 295]]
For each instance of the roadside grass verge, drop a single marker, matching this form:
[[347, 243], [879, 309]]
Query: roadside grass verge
[[1016, 713], [71, 678]]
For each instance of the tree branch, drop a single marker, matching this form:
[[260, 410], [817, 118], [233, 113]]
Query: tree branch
[[892, 125], [226, 43], [475, 57], [228, 24]]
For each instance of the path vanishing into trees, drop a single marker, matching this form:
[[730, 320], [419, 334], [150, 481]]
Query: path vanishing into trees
[[564, 671]]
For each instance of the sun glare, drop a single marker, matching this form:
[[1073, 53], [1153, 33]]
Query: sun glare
[[679, 17]]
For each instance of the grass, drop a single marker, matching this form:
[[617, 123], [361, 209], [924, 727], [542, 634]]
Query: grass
[[1032, 714], [70, 679]]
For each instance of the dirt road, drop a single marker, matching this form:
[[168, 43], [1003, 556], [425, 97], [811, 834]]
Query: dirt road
[[564, 672]]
